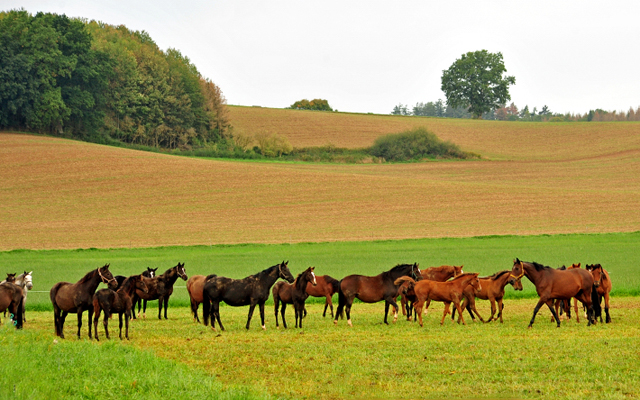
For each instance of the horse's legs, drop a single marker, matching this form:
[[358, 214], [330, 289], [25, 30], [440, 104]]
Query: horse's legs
[[160, 307], [417, 308], [347, 310], [537, 308], [553, 311], [575, 308], [126, 324], [63, 317], [80, 311], [90, 312], [472, 306], [105, 322], [500, 307], [326, 304], [606, 307], [194, 309], [96, 318], [261, 305], [252, 306], [166, 306], [282, 310], [392, 301], [56, 320], [386, 311], [276, 305], [215, 309], [446, 311], [144, 309]]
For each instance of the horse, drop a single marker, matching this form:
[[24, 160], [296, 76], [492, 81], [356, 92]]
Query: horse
[[438, 274], [116, 301], [326, 286], [160, 288], [372, 289], [293, 293], [492, 289], [252, 290], [447, 292], [195, 284], [602, 288], [11, 278], [554, 284], [25, 282], [11, 299], [149, 273], [78, 297], [566, 304]]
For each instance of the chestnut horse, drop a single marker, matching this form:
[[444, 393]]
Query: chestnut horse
[[160, 288], [250, 291], [446, 292], [78, 297], [116, 301], [602, 287], [554, 284], [372, 289], [492, 289], [326, 286], [293, 293], [11, 299], [438, 274], [195, 284]]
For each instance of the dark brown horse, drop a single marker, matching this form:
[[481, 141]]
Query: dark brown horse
[[116, 302], [293, 293], [195, 284], [372, 289], [492, 289], [11, 299], [438, 274], [78, 297], [250, 291], [554, 284], [602, 287], [160, 288], [326, 287], [447, 292]]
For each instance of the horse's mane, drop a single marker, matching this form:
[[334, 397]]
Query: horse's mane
[[463, 275], [89, 275], [498, 274], [399, 266], [539, 267]]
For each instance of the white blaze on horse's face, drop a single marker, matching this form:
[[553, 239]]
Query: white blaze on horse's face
[[28, 281], [314, 278]]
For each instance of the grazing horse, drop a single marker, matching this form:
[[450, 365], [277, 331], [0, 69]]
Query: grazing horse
[[602, 287], [116, 301], [293, 293], [372, 289], [492, 289], [447, 292], [554, 284], [78, 297], [160, 288], [250, 291], [326, 286], [195, 284], [11, 299], [438, 274]]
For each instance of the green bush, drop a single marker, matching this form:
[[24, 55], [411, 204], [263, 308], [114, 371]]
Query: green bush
[[414, 145]]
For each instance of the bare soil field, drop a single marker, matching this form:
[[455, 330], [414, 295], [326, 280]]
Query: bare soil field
[[61, 194]]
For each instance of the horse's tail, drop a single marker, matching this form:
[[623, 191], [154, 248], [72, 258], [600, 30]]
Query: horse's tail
[[404, 279], [19, 316], [206, 306], [342, 300], [335, 285], [276, 297]]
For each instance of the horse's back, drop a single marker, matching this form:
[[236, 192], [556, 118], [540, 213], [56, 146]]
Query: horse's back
[[62, 296], [567, 283], [369, 289], [234, 292], [9, 294], [195, 285]]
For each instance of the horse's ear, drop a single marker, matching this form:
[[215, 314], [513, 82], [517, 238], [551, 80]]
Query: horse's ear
[[578, 265], [516, 261], [313, 268]]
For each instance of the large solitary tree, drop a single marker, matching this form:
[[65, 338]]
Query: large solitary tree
[[477, 81]]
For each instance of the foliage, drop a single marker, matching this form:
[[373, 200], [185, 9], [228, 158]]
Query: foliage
[[315, 104], [416, 144], [272, 144], [92, 81], [476, 81]]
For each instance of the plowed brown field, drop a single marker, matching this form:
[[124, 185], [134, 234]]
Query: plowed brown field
[[57, 193]]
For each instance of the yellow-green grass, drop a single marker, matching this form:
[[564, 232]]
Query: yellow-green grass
[[372, 360], [61, 194], [498, 140]]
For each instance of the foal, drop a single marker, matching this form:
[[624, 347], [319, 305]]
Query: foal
[[601, 287], [293, 293], [446, 292], [116, 301]]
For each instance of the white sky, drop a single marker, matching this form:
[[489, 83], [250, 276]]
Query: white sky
[[368, 56]]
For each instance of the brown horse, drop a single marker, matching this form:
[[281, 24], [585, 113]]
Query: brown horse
[[78, 297], [195, 284], [293, 293], [372, 289], [11, 299], [446, 292], [160, 288], [602, 287], [492, 289], [116, 301], [554, 284], [438, 274], [326, 286]]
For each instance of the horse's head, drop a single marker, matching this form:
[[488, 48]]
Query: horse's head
[[589, 267], [574, 266], [28, 280], [415, 272], [11, 278], [181, 272], [475, 283], [312, 277], [517, 272], [457, 270], [150, 272], [597, 273], [107, 277], [140, 285], [284, 273]]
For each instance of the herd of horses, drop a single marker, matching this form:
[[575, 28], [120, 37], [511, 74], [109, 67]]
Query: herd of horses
[[415, 287]]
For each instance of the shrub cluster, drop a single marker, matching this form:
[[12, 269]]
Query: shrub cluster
[[414, 145]]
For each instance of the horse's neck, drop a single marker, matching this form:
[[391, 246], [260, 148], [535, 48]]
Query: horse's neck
[[91, 283], [128, 287], [170, 277], [532, 273], [269, 275]]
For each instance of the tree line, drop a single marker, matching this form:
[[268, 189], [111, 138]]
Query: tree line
[[94, 81]]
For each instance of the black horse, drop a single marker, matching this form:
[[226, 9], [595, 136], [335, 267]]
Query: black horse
[[372, 289], [250, 291], [159, 288]]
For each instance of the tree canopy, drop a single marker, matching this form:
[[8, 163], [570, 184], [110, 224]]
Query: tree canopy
[[315, 104], [95, 81], [477, 81]]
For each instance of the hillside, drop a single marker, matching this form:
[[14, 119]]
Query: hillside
[[499, 140], [57, 193]]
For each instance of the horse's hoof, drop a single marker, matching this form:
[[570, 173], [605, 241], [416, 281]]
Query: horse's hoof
[[349, 322], [335, 322], [264, 328], [213, 329]]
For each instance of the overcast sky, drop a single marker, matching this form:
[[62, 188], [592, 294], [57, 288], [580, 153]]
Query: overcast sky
[[368, 56]]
